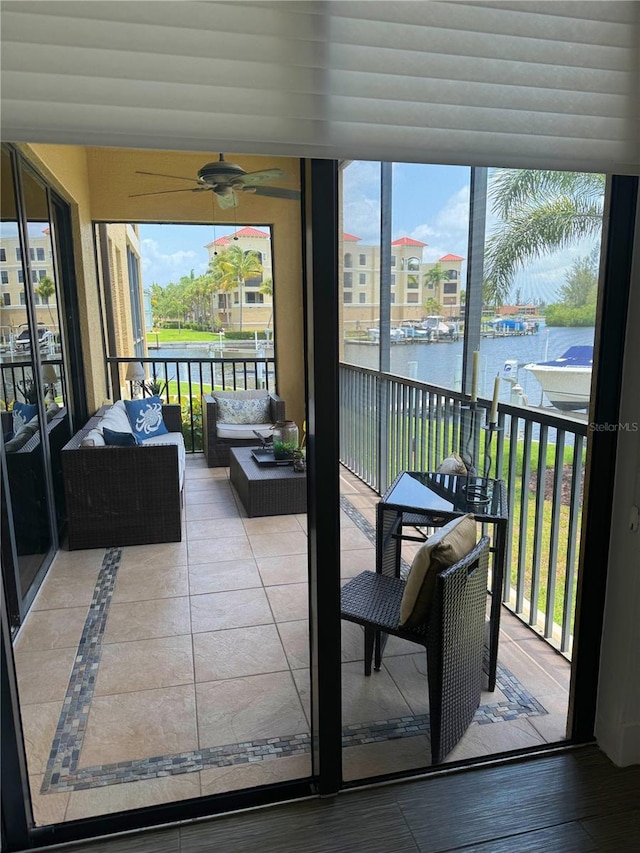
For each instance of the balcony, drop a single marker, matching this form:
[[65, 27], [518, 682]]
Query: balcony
[[165, 672]]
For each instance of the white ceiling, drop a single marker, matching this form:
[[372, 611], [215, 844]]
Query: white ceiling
[[537, 84]]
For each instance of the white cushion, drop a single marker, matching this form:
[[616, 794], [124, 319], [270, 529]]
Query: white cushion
[[240, 395], [93, 438], [243, 430], [256, 411], [116, 419], [171, 438]]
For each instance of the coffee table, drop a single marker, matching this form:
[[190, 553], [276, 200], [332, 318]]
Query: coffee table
[[266, 489]]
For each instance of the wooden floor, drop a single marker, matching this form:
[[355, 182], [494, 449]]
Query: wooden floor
[[566, 803]]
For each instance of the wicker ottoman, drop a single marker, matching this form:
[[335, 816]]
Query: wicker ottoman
[[266, 489]]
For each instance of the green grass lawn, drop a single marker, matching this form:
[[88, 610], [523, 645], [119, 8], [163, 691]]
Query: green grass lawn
[[166, 336]]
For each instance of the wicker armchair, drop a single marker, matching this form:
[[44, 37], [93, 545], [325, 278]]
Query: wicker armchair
[[453, 638], [216, 449]]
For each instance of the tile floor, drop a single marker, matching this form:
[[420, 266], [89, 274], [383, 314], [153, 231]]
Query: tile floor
[[162, 672]]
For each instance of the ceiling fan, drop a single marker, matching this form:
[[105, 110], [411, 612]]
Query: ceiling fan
[[227, 181]]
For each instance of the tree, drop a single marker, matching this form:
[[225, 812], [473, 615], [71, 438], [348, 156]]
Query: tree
[[45, 290], [266, 288], [432, 306], [541, 212], [578, 295], [432, 279], [230, 269]]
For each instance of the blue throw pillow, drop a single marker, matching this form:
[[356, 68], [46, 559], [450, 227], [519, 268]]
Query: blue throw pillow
[[119, 439], [145, 417], [22, 414]]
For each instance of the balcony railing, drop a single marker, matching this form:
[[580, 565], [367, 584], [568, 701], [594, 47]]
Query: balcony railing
[[388, 425], [187, 379]]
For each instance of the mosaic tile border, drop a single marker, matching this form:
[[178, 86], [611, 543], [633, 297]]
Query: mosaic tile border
[[62, 772]]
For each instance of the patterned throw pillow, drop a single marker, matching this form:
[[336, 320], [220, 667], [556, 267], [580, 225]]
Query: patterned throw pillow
[[244, 411], [22, 414], [145, 417]]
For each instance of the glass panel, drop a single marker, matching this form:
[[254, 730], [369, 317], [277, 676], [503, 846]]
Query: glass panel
[[29, 504]]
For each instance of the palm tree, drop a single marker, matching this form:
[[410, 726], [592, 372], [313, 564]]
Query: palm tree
[[433, 279], [229, 271], [541, 212], [45, 290]]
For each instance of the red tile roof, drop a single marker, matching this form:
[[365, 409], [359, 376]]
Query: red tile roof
[[250, 232], [407, 241], [221, 241], [350, 238], [451, 258]]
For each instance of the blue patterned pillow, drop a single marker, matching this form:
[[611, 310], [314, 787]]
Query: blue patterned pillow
[[145, 417], [256, 411], [119, 439], [22, 414]]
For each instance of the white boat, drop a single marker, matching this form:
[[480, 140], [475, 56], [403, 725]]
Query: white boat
[[566, 380]]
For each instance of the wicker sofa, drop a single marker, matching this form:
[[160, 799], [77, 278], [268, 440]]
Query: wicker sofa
[[218, 437], [124, 495]]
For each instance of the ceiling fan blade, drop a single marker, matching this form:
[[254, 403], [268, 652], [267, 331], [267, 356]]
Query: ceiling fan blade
[[276, 192], [163, 192], [251, 178], [177, 177]]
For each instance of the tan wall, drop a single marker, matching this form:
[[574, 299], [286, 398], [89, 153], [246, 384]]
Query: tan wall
[[98, 182]]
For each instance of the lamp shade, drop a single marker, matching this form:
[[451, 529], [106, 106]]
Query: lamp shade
[[49, 374], [135, 372]]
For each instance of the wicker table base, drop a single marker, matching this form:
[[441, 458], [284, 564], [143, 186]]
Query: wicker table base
[[266, 489]]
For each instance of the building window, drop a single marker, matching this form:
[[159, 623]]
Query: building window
[[40, 254], [450, 287], [23, 300], [362, 298], [4, 277], [254, 298], [363, 260], [448, 300], [348, 260], [393, 260], [348, 279], [7, 299], [362, 278], [34, 277], [413, 264], [412, 281], [20, 277], [133, 271], [413, 297], [18, 253], [348, 297], [393, 297], [42, 274], [3, 255], [36, 299], [393, 280], [32, 254], [452, 275]]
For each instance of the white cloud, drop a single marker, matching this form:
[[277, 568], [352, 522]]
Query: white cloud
[[162, 267]]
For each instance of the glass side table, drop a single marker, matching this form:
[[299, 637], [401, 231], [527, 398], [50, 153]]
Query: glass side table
[[419, 499]]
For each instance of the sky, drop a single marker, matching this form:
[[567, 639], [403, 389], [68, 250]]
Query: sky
[[429, 203]]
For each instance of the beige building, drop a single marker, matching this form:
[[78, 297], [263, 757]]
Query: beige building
[[414, 292]]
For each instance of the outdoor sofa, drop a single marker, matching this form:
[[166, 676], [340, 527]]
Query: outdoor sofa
[[124, 495], [223, 428]]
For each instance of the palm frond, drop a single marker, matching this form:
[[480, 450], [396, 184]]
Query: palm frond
[[513, 189]]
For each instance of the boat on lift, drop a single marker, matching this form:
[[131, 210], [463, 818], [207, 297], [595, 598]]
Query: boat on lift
[[566, 380]]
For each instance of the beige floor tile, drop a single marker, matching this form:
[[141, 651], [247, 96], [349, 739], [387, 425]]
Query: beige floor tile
[[52, 629], [205, 529], [271, 524], [278, 544], [43, 676], [144, 583], [39, 724], [353, 539], [238, 608], [202, 496], [60, 593], [144, 665], [154, 556], [221, 577], [289, 602], [142, 620], [206, 484], [217, 780], [346, 520], [352, 562], [220, 550], [391, 756], [74, 563], [48, 808], [251, 708], [494, 738], [552, 726], [132, 795], [295, 640], [528, 671], [292, 568], [238, 652], [218, 511], [352, 642], [303, 520], [128, 726]]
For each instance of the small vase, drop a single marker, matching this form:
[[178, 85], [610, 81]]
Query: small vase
[[285, 440]]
